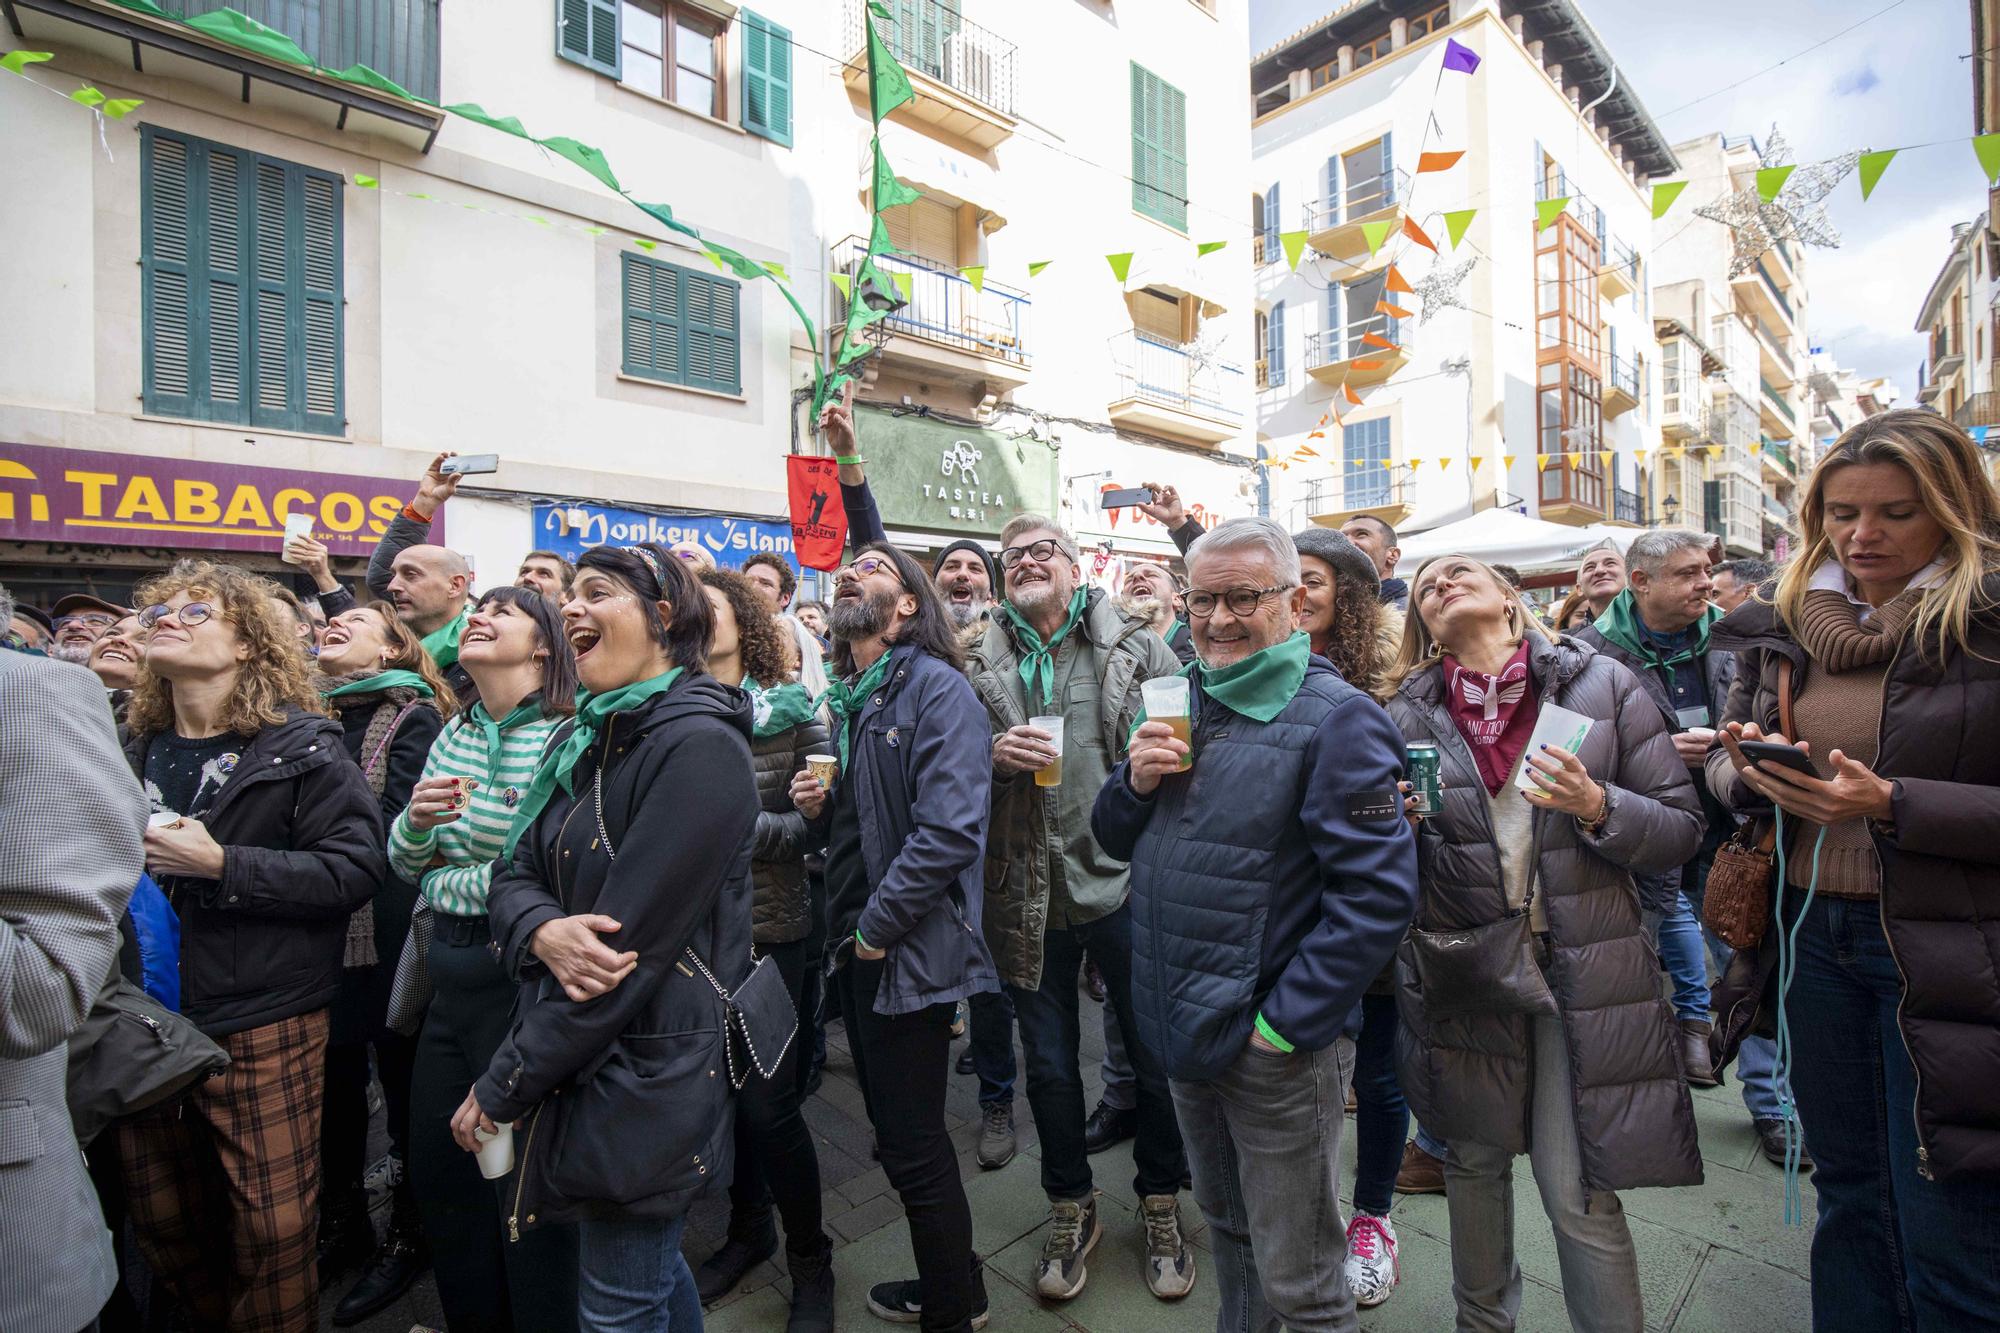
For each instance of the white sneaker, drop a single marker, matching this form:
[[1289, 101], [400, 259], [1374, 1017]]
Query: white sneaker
[[1371, 1259]]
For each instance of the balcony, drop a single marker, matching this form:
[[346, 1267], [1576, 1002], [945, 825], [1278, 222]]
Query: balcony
[[1778, 415], [963, 74], [1774, 356], [1334, 226], [1777, 456], [1684, 407], [1620, 274], [1586, 213], [946, 328], [1175, 390], [1377, 492], [398, 39], [1776, 511], [1625, 507], [1623, 390], [1947, 350], [1341, 356], [1981, 409], [1758, 294]]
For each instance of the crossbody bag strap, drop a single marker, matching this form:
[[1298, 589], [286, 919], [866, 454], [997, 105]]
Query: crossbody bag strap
[[597, 802]]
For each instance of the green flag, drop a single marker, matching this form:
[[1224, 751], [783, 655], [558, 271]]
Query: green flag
[[844, 284], [1871, 166], [366, 182], [888, 86], [505, 124], [1121, 264], [1548, 210], [1987, 146], [381, 83], [905, 283], [878, 238], [1035, 267], [976, 275], [13, 60], [775, 269], [663, 215], [888, 192], [1295, 245], [1664, 195], [1376, 232], [1770, 180], [246, 33], [1206, 248], [1456, 223], [120, 107], [590, 159], [88, 96]]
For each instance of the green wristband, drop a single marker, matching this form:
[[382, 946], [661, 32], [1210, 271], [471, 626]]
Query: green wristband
[[849, 460], [1270, 1034]]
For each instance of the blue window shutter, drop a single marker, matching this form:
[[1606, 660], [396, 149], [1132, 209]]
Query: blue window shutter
[[587, 32], [1273, 215], [1274, 352], [277, 332], [1388, 171], [170, 271], [1538, 178], [652, 309], [767, 78], [1333, 317], [317, 260]]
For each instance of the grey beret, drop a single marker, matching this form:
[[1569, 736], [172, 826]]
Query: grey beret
[[1343, 555]]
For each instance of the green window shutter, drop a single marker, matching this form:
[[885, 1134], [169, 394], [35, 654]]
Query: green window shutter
[[1173, 153], [652, 305], [222, 303], [1159, 149], [767, 78], [318, 263], [681, 327], [587, 32], [274, 357], [711, 335], [167, 242]]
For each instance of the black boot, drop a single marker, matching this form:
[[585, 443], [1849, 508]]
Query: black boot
[[397, 1263], [812, 1291], [718, 1276], [346, 1238]]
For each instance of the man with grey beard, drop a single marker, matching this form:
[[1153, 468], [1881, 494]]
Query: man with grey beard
[[81, 620], [1148, 595], [964, 575]]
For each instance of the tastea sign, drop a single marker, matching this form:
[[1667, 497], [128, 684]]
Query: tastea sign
[[940, 477], [571, 529], [85, 495]]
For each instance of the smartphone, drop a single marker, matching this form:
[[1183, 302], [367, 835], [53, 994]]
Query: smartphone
[[296, 525], [1774, 752], [468, 463], [1126, 497]]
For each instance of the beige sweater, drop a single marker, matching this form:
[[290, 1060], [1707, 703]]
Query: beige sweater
[[1840, 711]]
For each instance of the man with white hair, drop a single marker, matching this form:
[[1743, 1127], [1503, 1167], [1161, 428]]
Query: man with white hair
[[1288, 817]]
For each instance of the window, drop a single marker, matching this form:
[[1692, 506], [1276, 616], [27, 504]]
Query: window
[[1159, 149], [1367, 53], [1425, 25], [1158, 314], [681, 327], [1364, 450], [1360, 181], [925, 229], [240, 259], [674, 52], [587, 32], [767, 78], [1351, 316], [1267, 216], [1262, 329], [1569, 365], [1274, 354]]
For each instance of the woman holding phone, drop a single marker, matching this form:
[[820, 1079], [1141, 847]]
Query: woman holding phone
[[1550, 1036], [1881, 639]]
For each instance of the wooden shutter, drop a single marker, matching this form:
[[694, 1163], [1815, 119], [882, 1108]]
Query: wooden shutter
[[1159, 149], [167, 255], [710, 332], [587, 32], [926, 229], [318, 265], [652, 305], [1274, 352], [767, 78], [1157, 316]]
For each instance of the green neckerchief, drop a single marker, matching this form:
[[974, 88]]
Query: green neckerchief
[[556, 765], [848, 700], [380, 681], [1038, 658], [1180, 623], [1259, 686], [442, 642], [477, 716], [1621, 625], [779, 708]]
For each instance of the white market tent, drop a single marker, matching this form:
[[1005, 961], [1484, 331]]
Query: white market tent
[[1501, 536]]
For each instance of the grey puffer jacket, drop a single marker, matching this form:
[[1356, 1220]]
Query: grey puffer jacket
[[781, 911], [1472, 1077]]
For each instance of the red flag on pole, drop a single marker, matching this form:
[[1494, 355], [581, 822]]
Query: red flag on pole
[[819, 519]]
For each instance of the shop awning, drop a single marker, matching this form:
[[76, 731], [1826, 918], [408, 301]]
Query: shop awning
[[1501, 536], [937, 170]]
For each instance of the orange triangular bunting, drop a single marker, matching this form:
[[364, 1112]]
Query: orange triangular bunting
[[1365, 364], [1394, 282], [1416, 233], [1352, 396], [1437, 161], [1384, 308], [1377, 340]]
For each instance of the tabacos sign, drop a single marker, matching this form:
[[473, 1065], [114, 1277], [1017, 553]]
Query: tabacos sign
[[571, 529], [88, 496]]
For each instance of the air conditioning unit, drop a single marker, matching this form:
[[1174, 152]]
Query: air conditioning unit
[[972, 64]]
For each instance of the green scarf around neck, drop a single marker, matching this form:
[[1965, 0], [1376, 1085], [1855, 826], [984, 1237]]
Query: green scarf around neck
[[1259, 686], [442, 642], [779, 708], [847, 700], [380, 681], [557, 765], [1621, 625], [529, 710], [1038, 658]]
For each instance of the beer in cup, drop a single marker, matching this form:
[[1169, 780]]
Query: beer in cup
[[823, 767], [1167, 700], [1052, 775]]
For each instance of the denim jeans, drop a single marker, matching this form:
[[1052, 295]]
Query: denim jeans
[[1264, 1142], [1050, 1036], [1892, 1250], [992, 1026], [1600, 1267], [1381, 1118], [631, 1277], [1121, 1084], [1430, 1143], [1679, 938]]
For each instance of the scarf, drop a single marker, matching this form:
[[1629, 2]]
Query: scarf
[[779, 708], [1259, 686], [442, 642], [847, 699], [404, 690], [557, 764], [1831, 631], [528, 710], [1620, 624], [375, 683], [1495, 714], [1038, 658]]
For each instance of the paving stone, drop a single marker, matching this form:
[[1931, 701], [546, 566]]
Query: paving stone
[[870, 1217], [1734, 1292], [1115, 1295]]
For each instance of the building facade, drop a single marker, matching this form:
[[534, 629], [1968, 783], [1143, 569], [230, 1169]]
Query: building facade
[[1537, 391]]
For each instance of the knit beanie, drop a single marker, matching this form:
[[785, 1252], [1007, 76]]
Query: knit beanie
[[985, 558], [1343, 555]]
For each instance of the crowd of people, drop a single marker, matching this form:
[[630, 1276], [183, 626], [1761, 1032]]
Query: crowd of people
[[577, 871]]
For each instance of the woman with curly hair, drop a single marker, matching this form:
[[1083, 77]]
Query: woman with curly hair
[[775, 1159], [392, 701], [267, 838]]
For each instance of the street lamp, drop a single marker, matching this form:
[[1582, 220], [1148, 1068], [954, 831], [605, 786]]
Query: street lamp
[[1672, 508]]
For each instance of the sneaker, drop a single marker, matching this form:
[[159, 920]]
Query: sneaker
[[384, 1176], [900, 1303], [1108, 1127], [1074, 1230], [996, 1136], [1371, 1267], [1169, 1259], [1420, 1172], [1771, 1141]]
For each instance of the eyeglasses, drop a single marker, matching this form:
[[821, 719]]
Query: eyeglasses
[[1200, 603], [867, 566], [194, 613], [1043, 551], [94, 619]]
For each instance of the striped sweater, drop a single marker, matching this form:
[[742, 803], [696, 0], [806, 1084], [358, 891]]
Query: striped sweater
[[470, 844]]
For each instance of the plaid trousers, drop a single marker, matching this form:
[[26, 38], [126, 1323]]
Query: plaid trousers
[[224, 1188]]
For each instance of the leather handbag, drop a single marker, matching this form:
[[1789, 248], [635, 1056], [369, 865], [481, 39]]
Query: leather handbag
[[1487, 969], [131, 1054], [1736, 903]]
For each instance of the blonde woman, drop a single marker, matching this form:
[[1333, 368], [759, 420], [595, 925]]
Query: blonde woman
[[1888, 624], [1552, 1038], [267, 838]]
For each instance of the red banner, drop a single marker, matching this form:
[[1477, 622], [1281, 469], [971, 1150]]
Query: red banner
[[819, 519]]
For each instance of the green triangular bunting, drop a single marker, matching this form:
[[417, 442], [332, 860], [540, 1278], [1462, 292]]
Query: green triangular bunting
[[1871, 166], [1548, 210], [1120, 264], [120, 107], [1376, 232], [1295, 245], [843, 283], [1987, 146], [13, 60], [1664, 195], [590, 159], [1035, 268], [88, 96], [888, 191], [888, 86], [475, 112], [1208, 248], [1456, 223], [976, 275], [1770, 180]]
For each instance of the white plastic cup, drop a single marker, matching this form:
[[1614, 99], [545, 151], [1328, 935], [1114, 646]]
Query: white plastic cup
[[1167, 700], [162, 819], [496, 1151], [1051, 775]]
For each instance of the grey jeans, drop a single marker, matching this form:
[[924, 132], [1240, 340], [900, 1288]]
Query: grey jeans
[[1263, 1141], [1600, 1269]]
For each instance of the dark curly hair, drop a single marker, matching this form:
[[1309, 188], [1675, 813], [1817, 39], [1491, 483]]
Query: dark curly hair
[[759, 645], [1355, 645]]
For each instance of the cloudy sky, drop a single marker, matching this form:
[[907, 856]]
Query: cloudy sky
[[1898, 79]]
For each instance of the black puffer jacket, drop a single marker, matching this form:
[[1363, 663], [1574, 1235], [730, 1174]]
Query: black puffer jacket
[[1472, 1077], [782, 912], [303, 848]]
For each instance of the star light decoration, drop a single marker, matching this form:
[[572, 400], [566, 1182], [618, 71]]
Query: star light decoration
[[1439, 288], [1796, 214]]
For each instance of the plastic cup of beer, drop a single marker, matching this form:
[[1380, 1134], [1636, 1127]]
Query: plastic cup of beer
[[1052, 775], [823, 767], [1167, 700], [496, 1151]]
